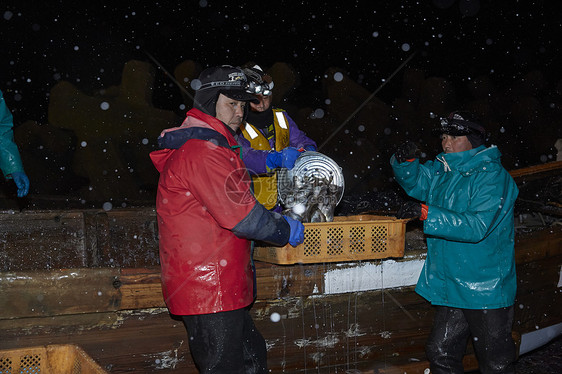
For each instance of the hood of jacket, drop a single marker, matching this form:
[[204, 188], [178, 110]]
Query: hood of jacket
[[197, 125]]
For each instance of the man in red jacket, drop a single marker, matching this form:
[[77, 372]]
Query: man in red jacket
[[207, 217]]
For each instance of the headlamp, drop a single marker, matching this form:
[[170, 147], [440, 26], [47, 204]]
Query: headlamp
[[259, 83], [259, 88], [250, 87], [453, 126]]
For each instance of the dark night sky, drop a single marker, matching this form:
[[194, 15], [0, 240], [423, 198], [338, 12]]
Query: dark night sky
[[87, 44], [45, 42]]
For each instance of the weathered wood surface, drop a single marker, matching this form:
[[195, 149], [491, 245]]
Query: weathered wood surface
[[126, 238], [117, 314], [91, 278], [331, 332], [536, 171]]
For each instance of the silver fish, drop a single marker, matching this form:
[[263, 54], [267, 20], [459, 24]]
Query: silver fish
[[312, 199]]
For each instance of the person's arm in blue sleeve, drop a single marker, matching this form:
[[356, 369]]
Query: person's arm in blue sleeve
[[415, 178], [298, 138], [261, 162], [10, 160], [253, 159], [270, 227]]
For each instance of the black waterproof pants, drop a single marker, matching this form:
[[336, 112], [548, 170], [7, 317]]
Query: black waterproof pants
[[491, 337], [226, 343]]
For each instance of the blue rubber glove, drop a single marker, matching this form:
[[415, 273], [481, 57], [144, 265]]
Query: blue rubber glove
[[22, 182], [284, 159], [310, 148], [296, 236]]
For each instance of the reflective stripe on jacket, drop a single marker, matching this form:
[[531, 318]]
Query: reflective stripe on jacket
[[469, 227], [255, 159], [265, 185]]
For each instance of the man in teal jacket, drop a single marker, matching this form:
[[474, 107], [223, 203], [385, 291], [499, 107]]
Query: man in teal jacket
[[469, 273], [10, 160]]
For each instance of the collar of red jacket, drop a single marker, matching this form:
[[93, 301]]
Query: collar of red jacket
[[200, 119]]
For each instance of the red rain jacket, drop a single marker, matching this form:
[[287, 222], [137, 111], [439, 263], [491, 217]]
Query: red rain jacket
[[203, 199]]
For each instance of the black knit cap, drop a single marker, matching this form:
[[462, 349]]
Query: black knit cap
[[459, 123], [227, 80]]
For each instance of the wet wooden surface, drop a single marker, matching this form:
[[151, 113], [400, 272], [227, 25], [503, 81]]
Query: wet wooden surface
[[117, 314], [91, 278]]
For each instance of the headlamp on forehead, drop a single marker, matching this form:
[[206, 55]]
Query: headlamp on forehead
[[458, 124], [454, 127], [462, 124], [259, 83], [259, 89], [249, 87]]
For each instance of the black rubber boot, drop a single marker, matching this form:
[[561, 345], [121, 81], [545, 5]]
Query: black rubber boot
[[492, 340], [446, 344], [226, 343]]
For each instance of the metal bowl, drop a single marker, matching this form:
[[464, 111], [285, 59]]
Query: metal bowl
[[309, 166]]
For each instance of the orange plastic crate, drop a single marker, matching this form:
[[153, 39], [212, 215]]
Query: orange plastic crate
[[49, 359], [353, 238]]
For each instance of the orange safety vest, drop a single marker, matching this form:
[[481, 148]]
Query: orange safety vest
[[265, 185]]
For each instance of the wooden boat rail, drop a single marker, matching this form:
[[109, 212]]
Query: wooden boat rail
[[91, 278]]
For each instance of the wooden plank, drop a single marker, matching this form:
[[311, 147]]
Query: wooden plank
[[537, 171], [336, 332], [141, 288], [366, 331], [332, 331], [33, 240], [145, 341], [278, 281], [538, 244], [42, 239], [538, 300], [129, 237], [470, 363], [58, 292], [71, 323]]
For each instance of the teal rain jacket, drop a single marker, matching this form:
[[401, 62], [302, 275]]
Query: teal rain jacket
[[10, 160], [470, 260]]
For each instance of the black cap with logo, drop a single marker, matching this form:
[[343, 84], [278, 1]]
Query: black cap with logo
[[227, 80]]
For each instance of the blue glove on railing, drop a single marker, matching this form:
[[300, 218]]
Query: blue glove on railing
[[22, 182], [284, 159], [310, 148], [296, 236]]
